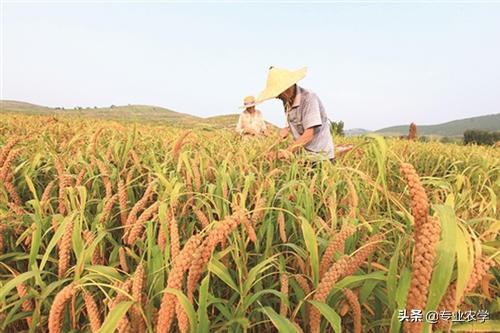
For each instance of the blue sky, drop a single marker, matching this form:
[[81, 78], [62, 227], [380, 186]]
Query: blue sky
[[372, 64]]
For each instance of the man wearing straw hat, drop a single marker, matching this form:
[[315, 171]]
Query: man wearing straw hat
[[305, 114], [251, 121]]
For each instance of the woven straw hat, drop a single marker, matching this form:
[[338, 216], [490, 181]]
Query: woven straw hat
[[279, 80], [248, 102]]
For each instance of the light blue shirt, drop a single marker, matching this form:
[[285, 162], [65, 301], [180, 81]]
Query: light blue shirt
[[307, 111]]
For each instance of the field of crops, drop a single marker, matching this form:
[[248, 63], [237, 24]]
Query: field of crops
[[110, 226]]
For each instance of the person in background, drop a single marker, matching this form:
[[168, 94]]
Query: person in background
[[305, 115], [251, 121]]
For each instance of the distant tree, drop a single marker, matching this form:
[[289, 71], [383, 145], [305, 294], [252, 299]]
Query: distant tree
[[337, 128], [112, 106], [446, 139], [412, 132], [481, 137]]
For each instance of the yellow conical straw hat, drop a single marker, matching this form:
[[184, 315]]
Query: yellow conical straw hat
[[279, 80]]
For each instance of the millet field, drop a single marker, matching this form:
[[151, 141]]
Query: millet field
[[108, 226]]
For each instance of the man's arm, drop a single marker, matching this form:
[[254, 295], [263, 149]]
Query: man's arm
[[303, 140], [311, 122]]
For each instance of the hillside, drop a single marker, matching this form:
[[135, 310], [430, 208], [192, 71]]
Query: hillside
[[140, 113], [451, 128]]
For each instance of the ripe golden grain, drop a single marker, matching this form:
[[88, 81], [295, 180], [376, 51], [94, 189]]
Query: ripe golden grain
[[136, 228], [65, 249], [11, 157], [201, 217], [181, 264], [284, 292], [448, 303], [92, 312], [220, 232], [27, 304], [140, 204], [178, 144], [103, 169], [7, 149], [56, 314], [138, 324], [336, 245], [123, 202], [281, 226], [46, 192], [352, 299], [426, 240], [419, 201], [122, 257], [174, 238]]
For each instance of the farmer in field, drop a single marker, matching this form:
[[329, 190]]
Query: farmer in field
[[251, 121], [305, 115]]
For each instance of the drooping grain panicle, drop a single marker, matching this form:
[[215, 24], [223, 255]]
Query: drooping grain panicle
[[95, 141], [46, 192], [96, 258], [331, 277], [201, 217], [343, 267], [174, 237], [259, 211], [103, 169], [138, 324], [122, 257], [141, 204], [11, 189], [92, 312], [353, 301], [284, 293], [124, 323], [353, 198], [426, 240], [360, 256], [336, 244], [138, 225], [175, 278], [419, 201], [123, 201], [281, 227], [80, 176], [108, 207], [220, 232], [65, 249], [56, 314], [4, 153], [6, 167], [27, 304], [178, 144], [449, 303]]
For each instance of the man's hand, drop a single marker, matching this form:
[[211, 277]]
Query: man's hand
[[285, 154], [284, 132]]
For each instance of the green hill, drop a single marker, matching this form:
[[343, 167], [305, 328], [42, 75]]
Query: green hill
[[451, 128], [140, 113]]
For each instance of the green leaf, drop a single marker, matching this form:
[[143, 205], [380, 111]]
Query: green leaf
[[187, 306], [312, 247], [114, 316], [221, 271], [281, 323], [330, 315], [57, 236], [204, 323], [13, 283], [445, 260]]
